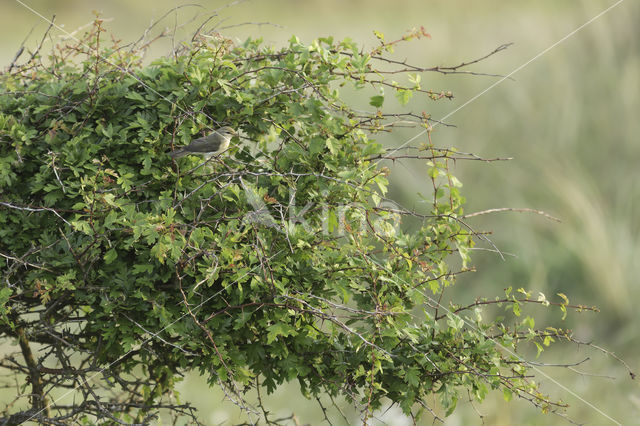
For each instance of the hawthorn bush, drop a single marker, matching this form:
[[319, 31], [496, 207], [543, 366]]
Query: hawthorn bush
[[282, 259]]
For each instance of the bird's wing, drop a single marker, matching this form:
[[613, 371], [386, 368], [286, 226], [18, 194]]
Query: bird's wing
[[203, 145]]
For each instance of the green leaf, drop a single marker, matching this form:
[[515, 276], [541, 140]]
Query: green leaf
[[110, 219], [455, 321], [332, 145], [404, 96], [110, 256], [134, 96], [108, 131], [279, 329], [507, 394], [376, 101], [449, 400], [316, 146], [412, 377]]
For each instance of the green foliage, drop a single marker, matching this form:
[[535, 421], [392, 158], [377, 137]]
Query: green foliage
[[280, 260]]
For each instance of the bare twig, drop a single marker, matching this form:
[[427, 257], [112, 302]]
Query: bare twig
[[507, 209]]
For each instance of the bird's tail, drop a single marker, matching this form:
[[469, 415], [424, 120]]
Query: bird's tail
[[178, 153]]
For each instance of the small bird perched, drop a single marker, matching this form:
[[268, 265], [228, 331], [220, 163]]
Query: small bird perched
[[209, 145]]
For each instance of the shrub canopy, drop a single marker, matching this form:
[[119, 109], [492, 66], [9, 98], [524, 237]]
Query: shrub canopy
[[282, 259]]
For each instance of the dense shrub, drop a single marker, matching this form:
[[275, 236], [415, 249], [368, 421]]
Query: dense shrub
[[279, 260]]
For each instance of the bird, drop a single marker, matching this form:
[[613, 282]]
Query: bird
[[207, 146]]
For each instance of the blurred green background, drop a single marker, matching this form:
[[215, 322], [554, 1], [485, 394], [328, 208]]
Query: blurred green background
[[569, 119]]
